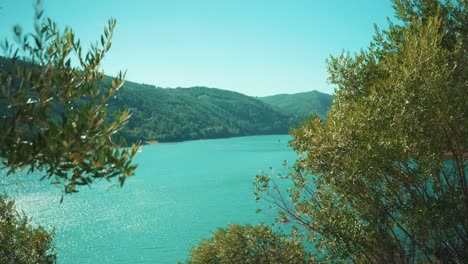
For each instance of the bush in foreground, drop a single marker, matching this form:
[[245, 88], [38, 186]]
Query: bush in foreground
[[19, 241], [248, 244], [384, 178]]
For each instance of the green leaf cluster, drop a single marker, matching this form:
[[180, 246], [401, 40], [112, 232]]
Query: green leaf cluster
[[248, 244], [19, 241], [53, 115]]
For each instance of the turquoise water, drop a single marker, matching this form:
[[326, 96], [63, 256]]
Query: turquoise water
[[181, 192]]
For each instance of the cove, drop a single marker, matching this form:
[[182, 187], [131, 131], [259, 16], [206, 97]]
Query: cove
[[181, 193]]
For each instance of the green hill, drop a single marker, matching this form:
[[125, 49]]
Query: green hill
[[166, 114], [300, 105]]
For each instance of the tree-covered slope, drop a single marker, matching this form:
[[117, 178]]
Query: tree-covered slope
[[300, 104], [166, 114]]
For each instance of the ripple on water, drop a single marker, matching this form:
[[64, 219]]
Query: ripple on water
[[181, 193]]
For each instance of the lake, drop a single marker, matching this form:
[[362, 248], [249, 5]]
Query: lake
[[181, 192]]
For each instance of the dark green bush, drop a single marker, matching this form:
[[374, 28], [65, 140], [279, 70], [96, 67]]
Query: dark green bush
[[20, 242]]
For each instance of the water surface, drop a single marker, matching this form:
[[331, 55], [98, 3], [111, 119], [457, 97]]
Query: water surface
[[181, 192]]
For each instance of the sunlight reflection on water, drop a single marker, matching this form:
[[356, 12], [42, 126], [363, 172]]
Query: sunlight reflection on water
[[181, 192]]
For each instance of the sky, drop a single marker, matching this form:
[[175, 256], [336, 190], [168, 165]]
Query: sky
[[255, 47]]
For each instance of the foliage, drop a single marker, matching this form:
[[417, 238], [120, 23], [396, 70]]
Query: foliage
[[301, 105], [383, 179], [165, 114], [19, 241], [247, 244], [52, 114]]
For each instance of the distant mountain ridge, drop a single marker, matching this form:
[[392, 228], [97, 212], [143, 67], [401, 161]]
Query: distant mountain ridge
[[300, 105], [178, 114]]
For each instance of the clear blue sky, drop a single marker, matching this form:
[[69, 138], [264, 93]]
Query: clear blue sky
[[256, 47]]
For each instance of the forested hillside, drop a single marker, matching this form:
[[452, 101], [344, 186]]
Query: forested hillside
[[166, 114], [300, 105]]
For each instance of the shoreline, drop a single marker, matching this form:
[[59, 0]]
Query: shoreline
[[154, 142]]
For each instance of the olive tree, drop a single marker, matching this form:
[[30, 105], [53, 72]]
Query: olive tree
[[53, 115], [53, 119], [248, 244], [383, 179], [19, 241]]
